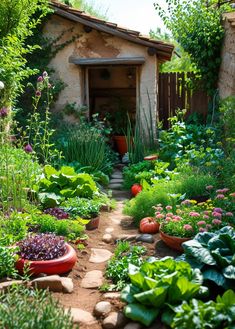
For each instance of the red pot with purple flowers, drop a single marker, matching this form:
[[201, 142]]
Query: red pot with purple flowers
[[45, 253]]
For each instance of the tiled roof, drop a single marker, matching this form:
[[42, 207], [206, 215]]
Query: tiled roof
[[161, 49]]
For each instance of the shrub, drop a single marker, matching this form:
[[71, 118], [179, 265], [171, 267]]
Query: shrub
[[8, 258], [33, 309], [85, 208], [41, 247], [14, 228]]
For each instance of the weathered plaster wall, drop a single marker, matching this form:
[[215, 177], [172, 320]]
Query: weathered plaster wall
[[92, 45], [226, 82]]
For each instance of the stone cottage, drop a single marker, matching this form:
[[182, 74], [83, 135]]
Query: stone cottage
[[107, 68]]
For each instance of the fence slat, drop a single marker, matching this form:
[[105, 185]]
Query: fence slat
[[173, 94]]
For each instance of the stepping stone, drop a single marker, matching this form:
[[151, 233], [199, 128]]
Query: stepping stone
[[112, 295], [109, 229], [115, 186], [116, 181], [81, 317], [114, 320], [102, 308], [107, 238], [92, 279], [54, 283], [126, 237], [145, 238], [99, 255], [117, 175]]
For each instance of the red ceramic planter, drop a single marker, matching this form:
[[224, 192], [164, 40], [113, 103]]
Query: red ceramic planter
[[59, 265], [93, 223], [173, 242]]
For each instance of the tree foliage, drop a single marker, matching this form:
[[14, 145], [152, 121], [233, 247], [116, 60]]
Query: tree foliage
[[16, 24], [196, 25], [88, 7]]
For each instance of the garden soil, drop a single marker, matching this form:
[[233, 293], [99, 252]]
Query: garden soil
[[86, 299]]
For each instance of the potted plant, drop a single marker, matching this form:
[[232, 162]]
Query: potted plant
[[45, 253], [181, 223]]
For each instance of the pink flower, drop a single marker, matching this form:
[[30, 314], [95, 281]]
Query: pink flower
[[40, 79], [168, 208], [157, 212], [159, 208], [216, 221], [194, 214], [219, 196], [202, 229], [216, 214], [209, 187], [3, 112], [188, 227], [186, 202], [169, 214], [201, 222], [225, 190], [45, 74], [219, 191], [176, 218], [206, 212], [159, 216], [206, 217], [28, 148], [208, 226], [168, 219], [218, 210], [38, 93], [229, 214]]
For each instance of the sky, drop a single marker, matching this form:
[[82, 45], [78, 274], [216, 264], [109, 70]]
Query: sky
[[138, 15]]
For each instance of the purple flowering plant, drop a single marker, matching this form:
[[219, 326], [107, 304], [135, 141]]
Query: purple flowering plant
[[189, 218]]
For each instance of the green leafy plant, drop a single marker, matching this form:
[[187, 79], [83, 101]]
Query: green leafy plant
[[196, 314], [56, 186], [213, 254], [131, 173], [157, 283], [36, 309], [8, 258], [117, 267], [85, 208]]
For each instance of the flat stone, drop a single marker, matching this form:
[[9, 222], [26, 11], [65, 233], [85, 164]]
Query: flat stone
[[107, 238], [102, 308], [126, 237], [115, 186], [112, 295], [109, 229], [67, 284], [145, 238], [117, 175], [99, 255], [114, 320], [133, 325], [81, 317], [116, 181], [54, 283], [92, 279], [4, 286]]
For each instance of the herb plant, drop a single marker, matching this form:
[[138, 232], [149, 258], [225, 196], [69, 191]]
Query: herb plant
[[41, 247], [33, 309], [156, 284], [8, 258], [213, 254], [117, 268]]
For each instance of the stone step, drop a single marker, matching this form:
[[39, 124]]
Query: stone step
[[117, 174], [115, 186], [115, 180]]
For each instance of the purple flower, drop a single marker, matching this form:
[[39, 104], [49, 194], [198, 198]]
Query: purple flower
[[45, 74], [220, 196], [3, 112], [225, 190], [185, 202], [38, 93], [40, 79], [218, 210], [28, 148], [216, 214]]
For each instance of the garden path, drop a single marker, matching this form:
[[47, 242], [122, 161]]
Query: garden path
[[88, 274]]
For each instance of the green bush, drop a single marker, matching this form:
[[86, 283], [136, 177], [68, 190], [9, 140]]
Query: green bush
[[8, 258], [32, 309], [14, 228]]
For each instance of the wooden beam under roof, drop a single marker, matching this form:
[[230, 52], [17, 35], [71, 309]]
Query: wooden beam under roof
[[107, 61]]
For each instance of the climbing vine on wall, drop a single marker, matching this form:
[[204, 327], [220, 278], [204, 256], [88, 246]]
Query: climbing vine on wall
[[197, 27]]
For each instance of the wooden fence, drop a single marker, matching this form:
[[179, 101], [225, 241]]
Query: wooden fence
[[174, 93]]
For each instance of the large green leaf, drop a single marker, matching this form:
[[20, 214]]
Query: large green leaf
[[215, 276], [128, 293], [228, 298], [49, 200], [202, 255], [137, 278], [140, 313], [221, 261], [229, 272], [155, 297], [49, 170], [67, 193], [204, 238]]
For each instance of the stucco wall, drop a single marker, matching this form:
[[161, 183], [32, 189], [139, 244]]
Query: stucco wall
[[226, 82], [92, 45]]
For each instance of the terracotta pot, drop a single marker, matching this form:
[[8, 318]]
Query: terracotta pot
[[151, 157], [121, 144], [93, 223], [59, 265], [173, 242]]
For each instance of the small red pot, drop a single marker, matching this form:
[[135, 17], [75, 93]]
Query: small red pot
[[59, 265], [173, 242], [93, 223]]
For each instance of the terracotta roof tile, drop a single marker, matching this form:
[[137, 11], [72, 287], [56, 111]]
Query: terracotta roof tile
[[163, 50]]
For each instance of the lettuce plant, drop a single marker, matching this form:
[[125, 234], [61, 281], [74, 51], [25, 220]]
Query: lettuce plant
[[157, 283], [213, 254]]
